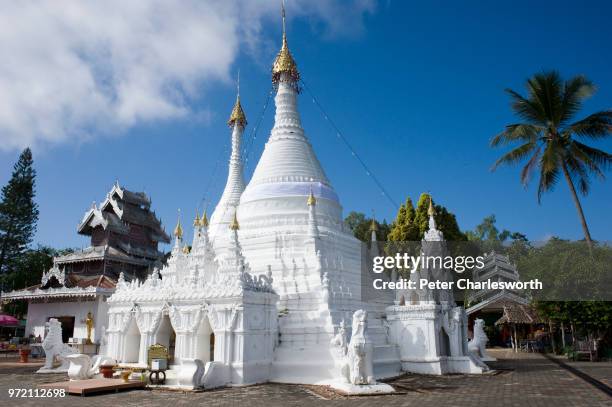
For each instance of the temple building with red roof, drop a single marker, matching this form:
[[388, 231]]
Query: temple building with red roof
[[124, 236]]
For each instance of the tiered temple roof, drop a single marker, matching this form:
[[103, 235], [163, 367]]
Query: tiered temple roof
[[497, 267], [124, 237], [120, 210]]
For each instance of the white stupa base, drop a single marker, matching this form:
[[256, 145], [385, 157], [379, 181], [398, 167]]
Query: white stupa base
[[443, 365], [363, 389]]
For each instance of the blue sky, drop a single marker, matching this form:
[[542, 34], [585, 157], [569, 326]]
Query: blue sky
[[417, 88]]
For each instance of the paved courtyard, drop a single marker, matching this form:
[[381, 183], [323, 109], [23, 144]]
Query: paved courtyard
[[521, 379]]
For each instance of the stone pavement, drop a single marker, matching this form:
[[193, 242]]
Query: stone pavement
[[522, 379], [601, 371]]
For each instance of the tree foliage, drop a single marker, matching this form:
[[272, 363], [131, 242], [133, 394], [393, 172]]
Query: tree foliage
[[550, 143], [568, 270], [27, 272], [18, 212], [360, 225], [487, 230], [411, 223], [589, 319]]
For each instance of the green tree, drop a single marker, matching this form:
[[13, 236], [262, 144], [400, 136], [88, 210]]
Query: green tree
[[550, 140], [353, 219], [486, 231], [361, 227], [411, 224], [403, 229], [18, 212], [29, 267], [27, 271]]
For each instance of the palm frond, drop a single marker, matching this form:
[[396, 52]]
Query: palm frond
[[549, 169], [527, 170], [576, 90], [515, 155], [514, 132], [526, 109], [598, 157], [596, 126], [545, 90]]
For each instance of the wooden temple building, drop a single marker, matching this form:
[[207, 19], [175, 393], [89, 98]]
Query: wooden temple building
[[489, 304], [124, 237]]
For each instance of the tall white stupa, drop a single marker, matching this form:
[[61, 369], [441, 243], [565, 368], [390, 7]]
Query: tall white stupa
[[234, 186], [291, 224]]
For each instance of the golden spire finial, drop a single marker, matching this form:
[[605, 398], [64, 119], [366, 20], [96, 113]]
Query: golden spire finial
[[237, 116], [311, 199], [234, 224], [431, 210], [373, 226], [204, 220], [284, 62], [196, 220], [178, 230]]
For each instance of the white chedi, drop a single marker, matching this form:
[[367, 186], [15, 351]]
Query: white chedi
[[261, 300]]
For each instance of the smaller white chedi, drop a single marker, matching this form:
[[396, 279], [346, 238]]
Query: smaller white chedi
[[430, 329], [270, 284]]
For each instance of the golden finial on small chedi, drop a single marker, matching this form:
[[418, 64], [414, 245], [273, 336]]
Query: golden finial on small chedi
[[284, 62], [178, 230], [431, 210], [204, 220], [373, 226], [237, 116], [311, 199], [196, 221], [234, 224], [186, 250]]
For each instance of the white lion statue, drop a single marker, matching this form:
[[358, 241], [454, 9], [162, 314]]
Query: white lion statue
[[358, 367], [477, 344], [55, 349], [83, 367]]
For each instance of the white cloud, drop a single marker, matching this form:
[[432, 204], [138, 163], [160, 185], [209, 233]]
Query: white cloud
[[76, 69]]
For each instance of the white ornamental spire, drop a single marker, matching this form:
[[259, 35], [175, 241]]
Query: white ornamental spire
[[178, 232], [433, 234], [234, 186], [313, 230], [232, 260], [196, 231]]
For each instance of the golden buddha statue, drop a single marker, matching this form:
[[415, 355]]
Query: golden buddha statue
[[89, 322]]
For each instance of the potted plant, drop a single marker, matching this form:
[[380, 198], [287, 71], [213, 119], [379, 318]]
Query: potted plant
[[107, 371], [24, 354]]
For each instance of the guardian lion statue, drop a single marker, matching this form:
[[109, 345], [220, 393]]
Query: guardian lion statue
[[476, 345], [358, 367], [55, 349]]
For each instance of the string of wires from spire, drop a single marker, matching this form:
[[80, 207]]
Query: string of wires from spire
[[348, 145]]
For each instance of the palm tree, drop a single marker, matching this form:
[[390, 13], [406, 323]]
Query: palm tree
[[551, 141]]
